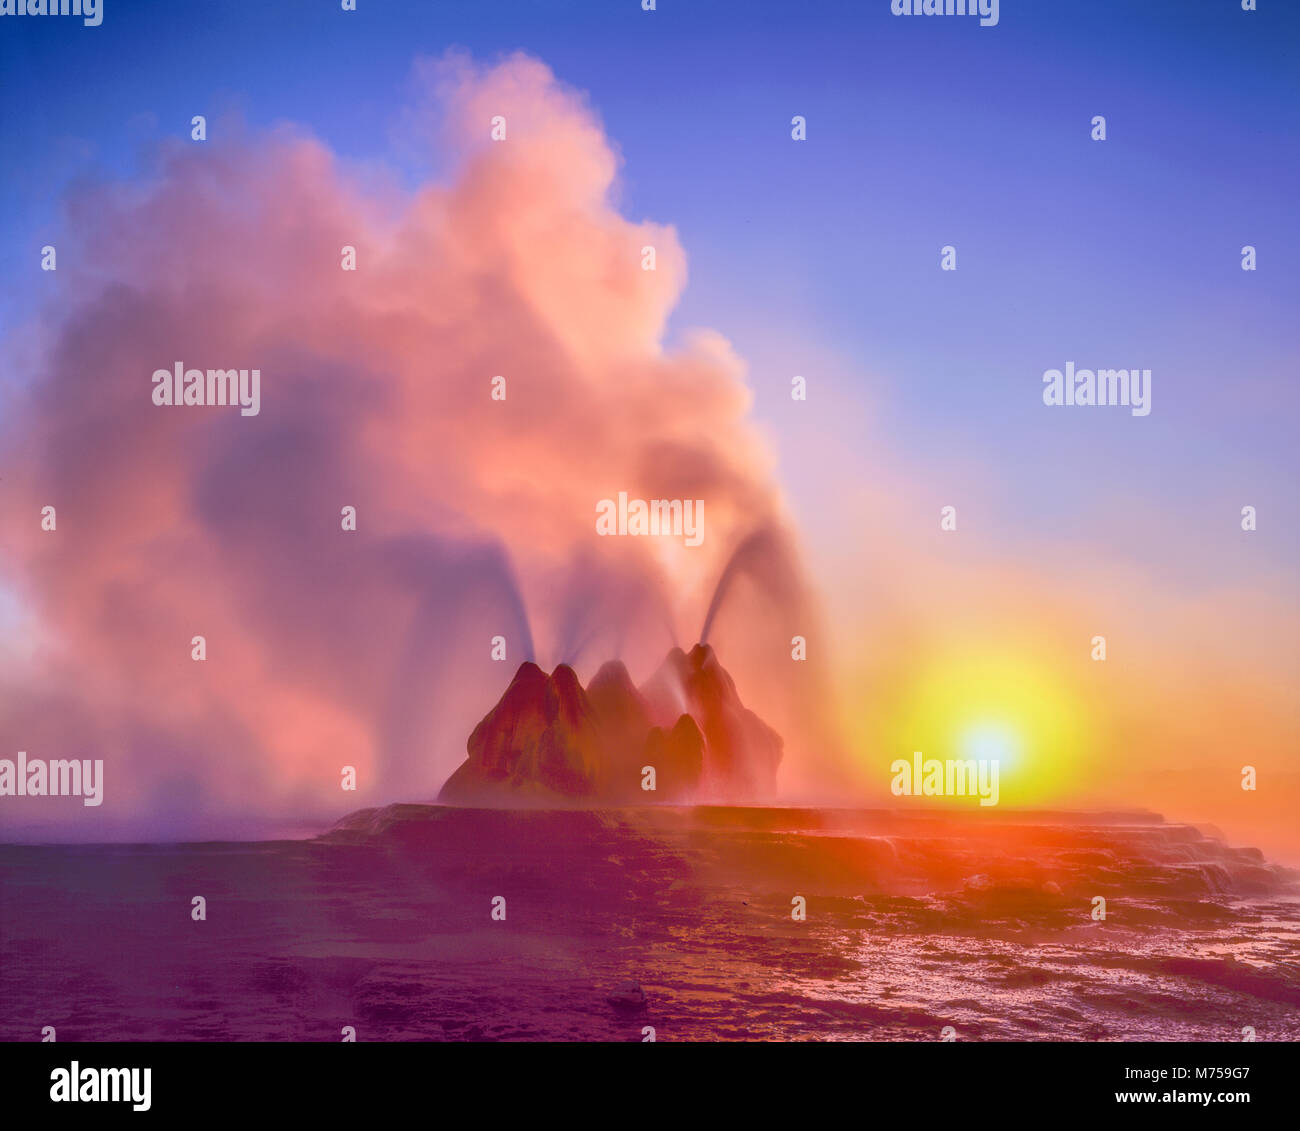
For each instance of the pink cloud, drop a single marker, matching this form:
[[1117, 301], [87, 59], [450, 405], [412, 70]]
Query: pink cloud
[[475, 516]]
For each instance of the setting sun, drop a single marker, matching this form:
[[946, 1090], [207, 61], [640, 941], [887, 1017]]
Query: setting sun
[[999, 708]]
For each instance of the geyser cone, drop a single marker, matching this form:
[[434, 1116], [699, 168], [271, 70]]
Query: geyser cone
[[548, 738], [540, 740], [741, 752]]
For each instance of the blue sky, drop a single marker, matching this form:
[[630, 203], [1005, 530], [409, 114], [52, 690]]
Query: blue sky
[[922, 132]]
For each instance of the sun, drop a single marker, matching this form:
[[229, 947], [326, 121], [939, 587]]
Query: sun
[[1003, 707], [990, 742]]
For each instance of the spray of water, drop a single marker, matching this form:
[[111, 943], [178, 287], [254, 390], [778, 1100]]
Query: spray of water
[[765, 557]]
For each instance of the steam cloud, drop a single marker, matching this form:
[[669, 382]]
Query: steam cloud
[[475, 516]]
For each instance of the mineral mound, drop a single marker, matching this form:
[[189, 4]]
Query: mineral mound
[[550, 739]]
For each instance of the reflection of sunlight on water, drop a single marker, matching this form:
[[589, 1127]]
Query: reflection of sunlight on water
[[695, 907], [1089, 984], [1018, 958]]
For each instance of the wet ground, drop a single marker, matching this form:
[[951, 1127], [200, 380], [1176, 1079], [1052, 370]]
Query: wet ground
[[913, 922]]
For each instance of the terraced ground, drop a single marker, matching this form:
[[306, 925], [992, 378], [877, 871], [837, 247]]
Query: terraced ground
[[914, 922]]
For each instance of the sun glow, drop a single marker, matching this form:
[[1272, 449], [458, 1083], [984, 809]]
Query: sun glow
[[990, 742], [1001, 708]]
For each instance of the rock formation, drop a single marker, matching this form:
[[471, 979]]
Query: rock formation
[[548, 739]]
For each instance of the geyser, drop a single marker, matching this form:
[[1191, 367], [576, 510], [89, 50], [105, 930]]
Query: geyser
[[685, 732]]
